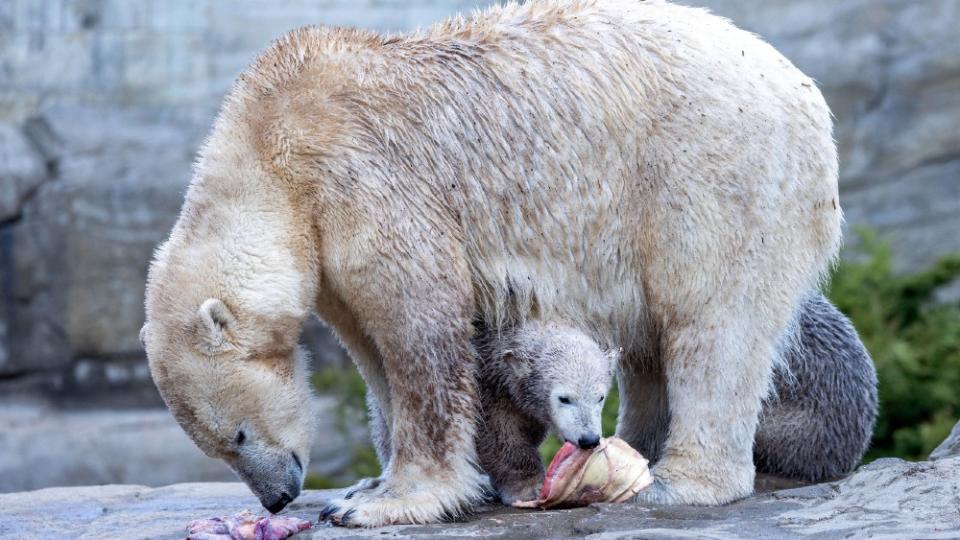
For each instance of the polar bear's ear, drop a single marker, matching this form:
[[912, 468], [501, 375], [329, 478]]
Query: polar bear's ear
[[143, 336], [217, 322], [614, 355]]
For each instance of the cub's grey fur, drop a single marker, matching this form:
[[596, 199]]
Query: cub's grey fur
[[819, 423], [537, 377]]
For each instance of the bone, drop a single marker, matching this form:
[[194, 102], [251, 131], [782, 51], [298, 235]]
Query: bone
[[611, 472]]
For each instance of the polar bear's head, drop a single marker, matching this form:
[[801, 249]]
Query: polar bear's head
[[225, 305], [561, 376]]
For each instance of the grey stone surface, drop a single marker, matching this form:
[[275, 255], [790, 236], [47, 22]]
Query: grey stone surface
[[22, 169], [4, 355], [41, 447], [950, 447], [81, 246], [886, 499]]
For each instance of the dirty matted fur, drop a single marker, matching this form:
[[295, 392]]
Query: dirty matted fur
[[648, 172]]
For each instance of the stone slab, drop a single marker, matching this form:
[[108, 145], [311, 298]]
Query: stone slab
[[887, 499]]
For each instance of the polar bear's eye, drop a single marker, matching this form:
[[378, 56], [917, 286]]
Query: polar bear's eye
[[241, 436], [601, 399], [564, 399]]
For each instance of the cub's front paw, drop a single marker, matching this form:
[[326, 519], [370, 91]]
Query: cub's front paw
[[527, 489]]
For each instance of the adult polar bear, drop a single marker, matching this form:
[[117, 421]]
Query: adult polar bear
[[644, 171]]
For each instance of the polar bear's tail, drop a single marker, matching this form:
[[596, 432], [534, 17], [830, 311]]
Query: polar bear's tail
[[818, 421]]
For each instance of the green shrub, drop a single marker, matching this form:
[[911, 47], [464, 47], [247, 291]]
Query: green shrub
[[915, 344]]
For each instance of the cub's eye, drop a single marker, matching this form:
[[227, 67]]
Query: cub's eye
[[601, 399], [241, 436], [564, 399]]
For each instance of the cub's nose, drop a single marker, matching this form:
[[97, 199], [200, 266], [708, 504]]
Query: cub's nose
[[588, 441]]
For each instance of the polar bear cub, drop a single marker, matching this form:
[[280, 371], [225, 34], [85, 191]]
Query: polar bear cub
[[534, 378]]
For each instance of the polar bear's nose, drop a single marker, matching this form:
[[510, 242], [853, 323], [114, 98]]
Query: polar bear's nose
[[280, 504], [588, 441]]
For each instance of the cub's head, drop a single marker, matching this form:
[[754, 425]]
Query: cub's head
[[562, 377]]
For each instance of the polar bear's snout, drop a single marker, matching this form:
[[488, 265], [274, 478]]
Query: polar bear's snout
[[274, 477]]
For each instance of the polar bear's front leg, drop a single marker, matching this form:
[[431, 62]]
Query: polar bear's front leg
[[717, 375], [421, 327], [432, 470]]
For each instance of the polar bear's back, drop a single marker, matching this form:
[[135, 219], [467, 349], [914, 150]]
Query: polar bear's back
[[608, 147], [585, 154]]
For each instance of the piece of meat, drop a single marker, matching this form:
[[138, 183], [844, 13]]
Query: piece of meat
[[246, 525], [611, 472]]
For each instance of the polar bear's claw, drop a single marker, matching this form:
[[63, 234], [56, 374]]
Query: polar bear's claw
[[345, 518], [328, 511]]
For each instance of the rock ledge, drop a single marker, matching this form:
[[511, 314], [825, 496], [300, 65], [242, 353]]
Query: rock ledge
[[889, 498]]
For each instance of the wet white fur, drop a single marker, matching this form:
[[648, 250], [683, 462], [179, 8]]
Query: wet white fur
[[646, 172]]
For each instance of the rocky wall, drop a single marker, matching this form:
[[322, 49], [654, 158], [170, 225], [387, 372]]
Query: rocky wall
[[103, 104]]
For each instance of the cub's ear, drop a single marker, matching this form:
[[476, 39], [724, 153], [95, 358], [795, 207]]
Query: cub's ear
[[614, 355], [143, 336], [217, 323], [519, 364]]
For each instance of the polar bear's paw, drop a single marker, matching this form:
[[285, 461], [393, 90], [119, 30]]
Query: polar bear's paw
[[658, 493], [671, 487], [387, 504]]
